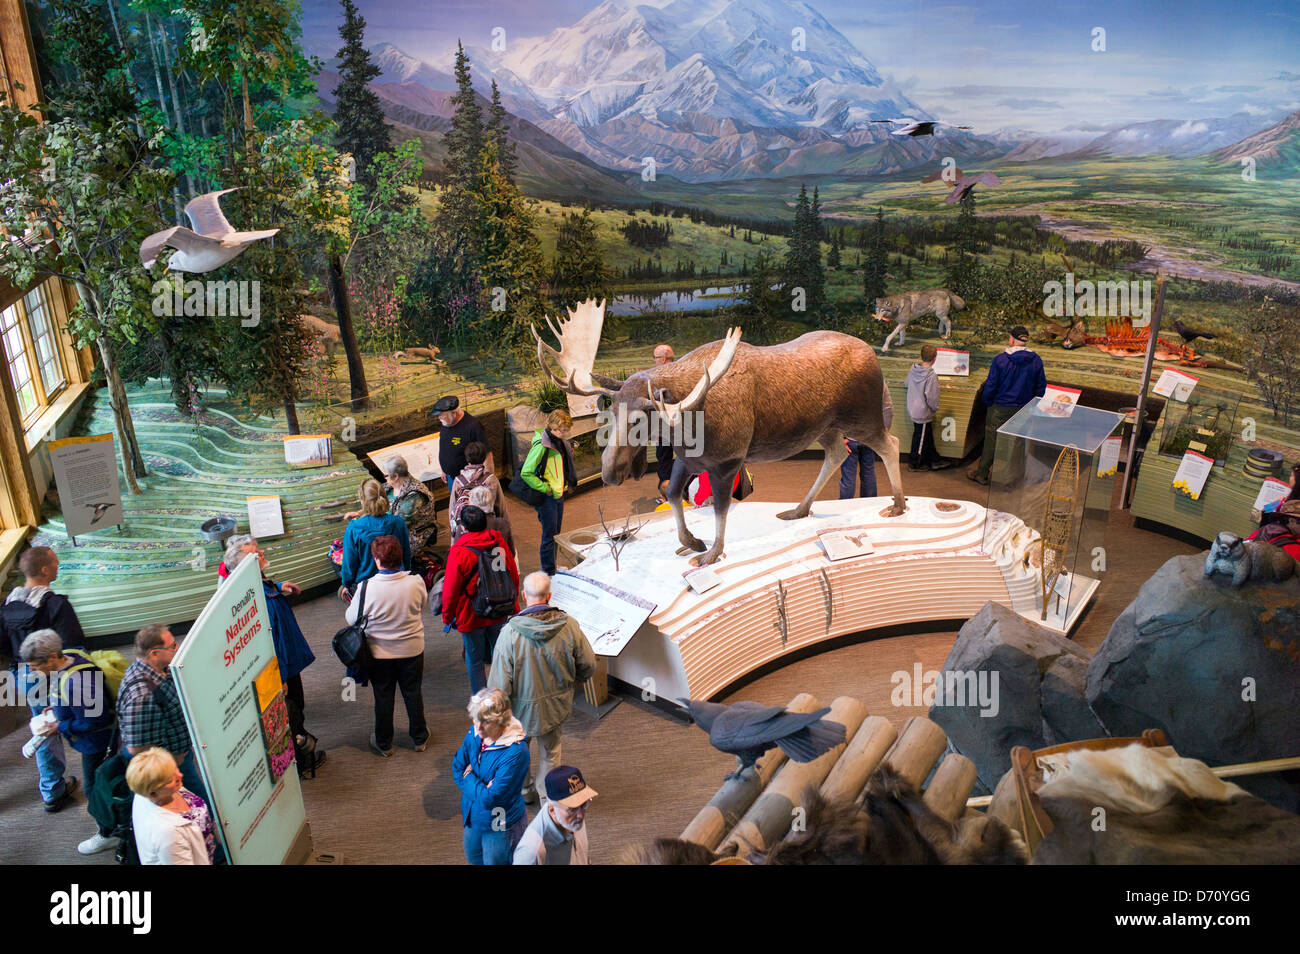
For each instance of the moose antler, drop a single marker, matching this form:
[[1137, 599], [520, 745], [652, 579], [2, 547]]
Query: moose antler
[[579, 337], [716, 369]]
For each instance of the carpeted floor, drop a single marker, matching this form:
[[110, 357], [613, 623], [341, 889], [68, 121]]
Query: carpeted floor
[[653, 771]]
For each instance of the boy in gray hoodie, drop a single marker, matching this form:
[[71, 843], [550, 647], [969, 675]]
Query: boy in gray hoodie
[[922, 405]]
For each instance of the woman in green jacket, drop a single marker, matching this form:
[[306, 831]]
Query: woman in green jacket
[[558, 475]]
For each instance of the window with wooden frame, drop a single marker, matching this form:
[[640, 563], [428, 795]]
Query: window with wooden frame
[[31, 346]]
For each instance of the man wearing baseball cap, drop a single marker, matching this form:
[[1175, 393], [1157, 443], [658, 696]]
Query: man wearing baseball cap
[[1015, 378], [558, 835], [459, 430]]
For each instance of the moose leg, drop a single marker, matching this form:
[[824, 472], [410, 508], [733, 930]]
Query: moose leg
[[833, 443], [721, 503], [886, 449], [676, 488]]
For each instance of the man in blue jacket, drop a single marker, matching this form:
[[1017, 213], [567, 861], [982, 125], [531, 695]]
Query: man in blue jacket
[[1015, 379]]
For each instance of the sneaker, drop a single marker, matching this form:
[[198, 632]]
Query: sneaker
[[315, 760], [530, 796], [914, 468], [56, 804], [982, 481], [97, 843], [382, 753], [422, 746], [943, 464]]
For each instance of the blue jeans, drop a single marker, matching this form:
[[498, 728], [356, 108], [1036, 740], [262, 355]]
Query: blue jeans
[[861, 458], [550, 512], [479, 646], [494, 847], [50, 759]]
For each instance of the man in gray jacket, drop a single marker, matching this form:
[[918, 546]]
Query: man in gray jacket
[[540, 657]]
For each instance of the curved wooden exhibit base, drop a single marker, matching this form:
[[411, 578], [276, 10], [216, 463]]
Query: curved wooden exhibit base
[[778, 593]]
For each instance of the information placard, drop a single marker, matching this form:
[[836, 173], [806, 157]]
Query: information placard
[[308, 450], [234, 703], [1192, 474], [609, 617], [1175, 384], [1108, 457], [844, 544], [952, 362], [582, 405], [265, 517], [1058, 401], [420, 454], [1270, 491], [85, 473]]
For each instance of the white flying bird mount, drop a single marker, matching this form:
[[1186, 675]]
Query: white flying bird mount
[[210, 244], [916, 127]]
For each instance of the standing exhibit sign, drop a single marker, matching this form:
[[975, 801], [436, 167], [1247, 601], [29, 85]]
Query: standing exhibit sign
[[85, 473], [234, 702]]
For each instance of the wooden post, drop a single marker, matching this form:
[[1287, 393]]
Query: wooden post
[[918, 747], [865, 750], [952, 782], [1140, 411], [735, 796], [770, 817]]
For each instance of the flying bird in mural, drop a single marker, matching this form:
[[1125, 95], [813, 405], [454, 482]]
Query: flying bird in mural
[[99, 510], [210, 244], [748, 729], [966, 183], [917, 127]]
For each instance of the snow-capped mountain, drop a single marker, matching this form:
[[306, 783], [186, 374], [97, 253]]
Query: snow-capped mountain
[[1174, 137], [768, 63]]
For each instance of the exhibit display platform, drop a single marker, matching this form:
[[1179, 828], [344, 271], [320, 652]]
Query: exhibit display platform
[[778, 591]]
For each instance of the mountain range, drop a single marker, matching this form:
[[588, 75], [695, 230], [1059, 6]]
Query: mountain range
[[722, 90]]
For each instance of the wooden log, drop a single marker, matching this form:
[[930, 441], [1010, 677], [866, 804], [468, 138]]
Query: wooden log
[[768, 820], [950, 786], [864, 752], [734, 798], [918, 747]]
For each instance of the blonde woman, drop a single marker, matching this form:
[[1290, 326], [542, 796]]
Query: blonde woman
[[489, 769], [558, 475], [374, 521], [172, 825]]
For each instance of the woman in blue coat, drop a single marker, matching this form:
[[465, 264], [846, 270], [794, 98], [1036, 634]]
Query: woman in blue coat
[[291, 651], [489, 769], [372, 520]]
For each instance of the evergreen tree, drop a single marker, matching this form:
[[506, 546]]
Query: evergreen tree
[[499, 132], [803, 265], [963, 266], [93, 82], [873, 278], [833, 255], [361, 129], [579, 272], [464, 143], [762, 304]]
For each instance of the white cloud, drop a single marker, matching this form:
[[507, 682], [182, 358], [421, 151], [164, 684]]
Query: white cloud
[[1190, 128]]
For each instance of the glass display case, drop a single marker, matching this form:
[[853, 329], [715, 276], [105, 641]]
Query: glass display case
[[1203, 423], [1050, 494]]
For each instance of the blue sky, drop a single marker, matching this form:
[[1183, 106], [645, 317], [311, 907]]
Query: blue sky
[[1001, 63]]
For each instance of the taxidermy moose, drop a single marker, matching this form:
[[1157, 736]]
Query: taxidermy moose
[[758, 404]]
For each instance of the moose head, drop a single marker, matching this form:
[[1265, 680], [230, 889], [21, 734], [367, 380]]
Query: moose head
[[642, 406]]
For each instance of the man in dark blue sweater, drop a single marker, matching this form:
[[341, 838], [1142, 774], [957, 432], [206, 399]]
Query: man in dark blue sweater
[[1015, 379]]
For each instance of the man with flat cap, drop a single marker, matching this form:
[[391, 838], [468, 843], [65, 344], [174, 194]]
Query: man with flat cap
[[1015, 378], [558, 835], [459, 430]]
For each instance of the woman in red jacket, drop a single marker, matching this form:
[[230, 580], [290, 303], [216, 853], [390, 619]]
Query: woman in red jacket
[[461, 583]]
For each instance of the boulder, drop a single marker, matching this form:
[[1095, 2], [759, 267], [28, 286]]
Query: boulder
[[998, 641], [1066, 715], [1215, 666]]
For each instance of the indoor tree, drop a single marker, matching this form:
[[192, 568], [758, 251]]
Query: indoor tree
[[83, 199]]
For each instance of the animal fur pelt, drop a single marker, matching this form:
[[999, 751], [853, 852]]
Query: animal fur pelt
[[1139, 805], [1136, 778], [893, 826]]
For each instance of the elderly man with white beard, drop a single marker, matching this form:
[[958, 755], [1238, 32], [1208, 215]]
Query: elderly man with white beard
[[558, 835]]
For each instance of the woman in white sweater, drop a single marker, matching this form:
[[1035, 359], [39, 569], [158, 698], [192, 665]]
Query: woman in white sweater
[[172, 825], [394, 601]]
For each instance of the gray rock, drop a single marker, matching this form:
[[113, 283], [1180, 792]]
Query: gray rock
[[1066, 716], [1182, 656], [997, 640]]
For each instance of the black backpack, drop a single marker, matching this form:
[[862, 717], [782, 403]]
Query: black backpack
[[20, 621], [495, 596]]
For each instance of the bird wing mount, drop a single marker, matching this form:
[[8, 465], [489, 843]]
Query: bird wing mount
[[712, 374], [205, 214], [154, 244], [579, 337]]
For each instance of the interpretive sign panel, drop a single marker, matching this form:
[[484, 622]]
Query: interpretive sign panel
[[234, 704], [609, 617], [85, 473]]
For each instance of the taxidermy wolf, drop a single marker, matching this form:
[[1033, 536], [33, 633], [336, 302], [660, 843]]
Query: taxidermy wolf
[[756, 404], [908, 306]]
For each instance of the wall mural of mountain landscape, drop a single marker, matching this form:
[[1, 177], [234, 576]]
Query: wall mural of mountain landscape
[[1110, 142]]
